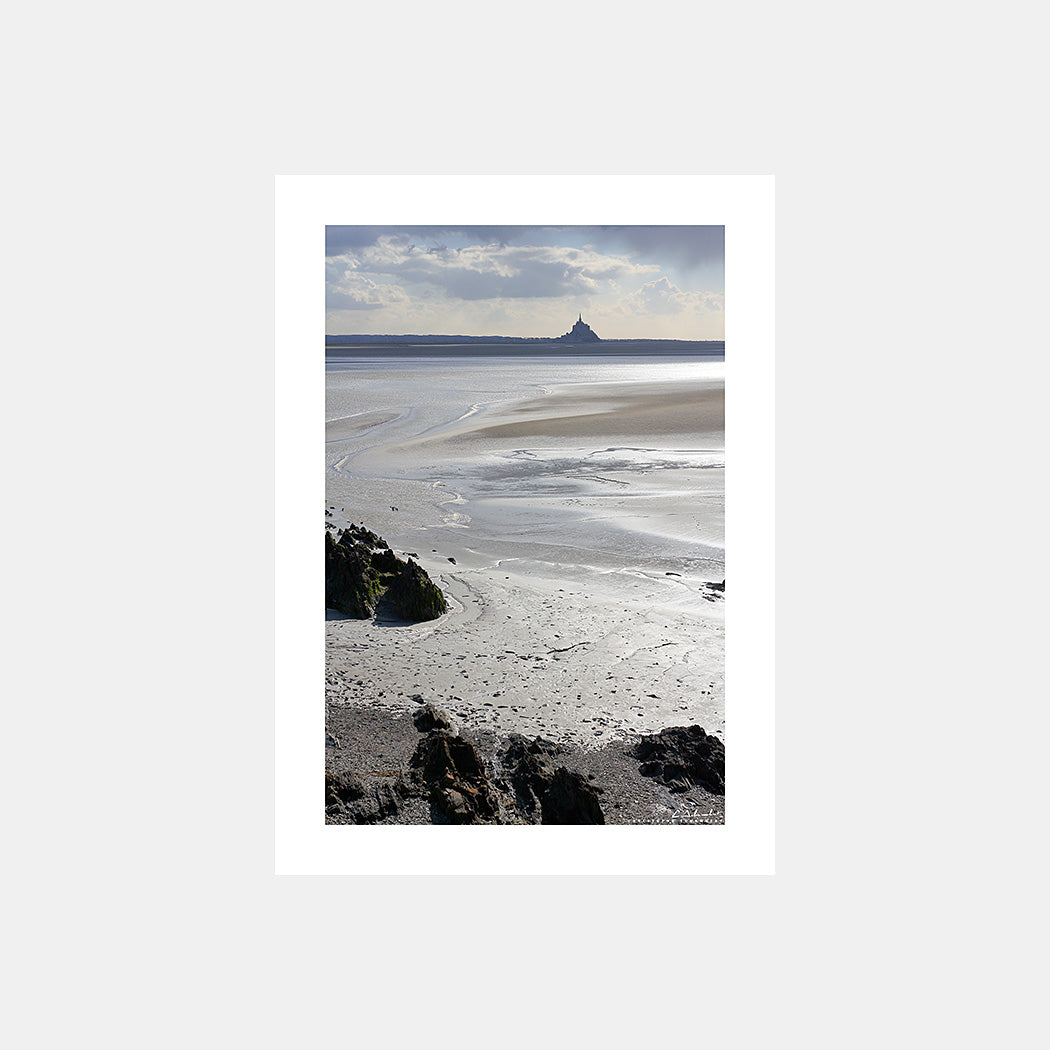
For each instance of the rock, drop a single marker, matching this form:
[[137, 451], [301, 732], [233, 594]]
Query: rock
[[712, 592], [429, 717], [571, 800], [458, 785], [358, 535], [386, 561], [342, 787], [553, 793], [531, 767], [352, 585], [683, 757], [360, 567], [347, 796], [385, 801], [414, 596]]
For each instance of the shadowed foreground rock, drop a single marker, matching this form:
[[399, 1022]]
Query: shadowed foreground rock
[[683, 757], [345, 794], [558, 795], [342, 787], [462, 792], [459, 786], [409, 767], [530, 764], [571, 800]]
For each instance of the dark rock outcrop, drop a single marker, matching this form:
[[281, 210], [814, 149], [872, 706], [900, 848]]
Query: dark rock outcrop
[[713, 591], [386, 561], [414, 595], [683, 757], [360, 568], [351, 584], [455, 775], [571, 800], [346, 795], [543, 788], [429, 717], [384, 801], [342, 787], [358, 535], [531, 765]]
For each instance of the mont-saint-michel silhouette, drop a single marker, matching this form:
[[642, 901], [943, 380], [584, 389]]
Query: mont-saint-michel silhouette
[[581, 332]]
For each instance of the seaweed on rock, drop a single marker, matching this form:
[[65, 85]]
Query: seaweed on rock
[[351, 585], [360, 568], [414, 596]]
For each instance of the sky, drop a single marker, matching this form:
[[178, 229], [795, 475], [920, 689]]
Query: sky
[[629, 282]]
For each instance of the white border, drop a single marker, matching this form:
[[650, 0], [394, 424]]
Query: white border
[[744, 204]]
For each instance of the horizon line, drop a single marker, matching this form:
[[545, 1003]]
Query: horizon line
[[535, 338]]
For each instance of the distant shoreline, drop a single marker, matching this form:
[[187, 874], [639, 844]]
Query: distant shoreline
[[506, 340], [475, 347]]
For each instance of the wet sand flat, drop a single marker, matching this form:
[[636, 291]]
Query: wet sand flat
[[637, 412], [355, 425], [614, 411]]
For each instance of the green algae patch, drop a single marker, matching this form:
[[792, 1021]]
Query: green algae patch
[[360, 569]]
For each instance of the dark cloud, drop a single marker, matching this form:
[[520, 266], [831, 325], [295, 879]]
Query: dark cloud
[[686, 247], [341, 239]]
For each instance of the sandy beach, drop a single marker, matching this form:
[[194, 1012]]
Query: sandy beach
[[573, 517]]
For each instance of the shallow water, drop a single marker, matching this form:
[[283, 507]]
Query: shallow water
[[515, 455]]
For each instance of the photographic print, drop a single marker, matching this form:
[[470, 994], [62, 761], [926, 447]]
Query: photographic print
[[524, 525]]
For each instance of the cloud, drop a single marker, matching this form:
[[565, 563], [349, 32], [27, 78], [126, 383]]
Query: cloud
[[486, 271], [664, 297], [348, 290]]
